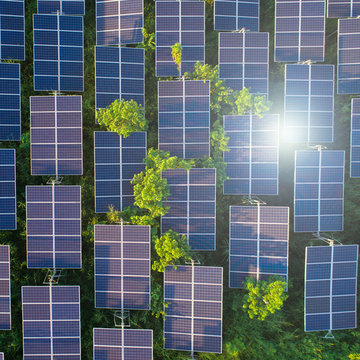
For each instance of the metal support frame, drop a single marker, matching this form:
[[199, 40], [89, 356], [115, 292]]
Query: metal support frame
[[53, 277], [122, 318]]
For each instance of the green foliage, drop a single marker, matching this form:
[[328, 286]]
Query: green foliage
[[149, 40], [176, 53], [354, 356]]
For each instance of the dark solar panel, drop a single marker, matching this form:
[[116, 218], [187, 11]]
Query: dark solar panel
[[309, 103], [330, 287], [355, 138], [253, 160], [5, 289], [192, 206], [124, 344], [56, 135], [119, 22], [1, 356], [319, 190], [259, 242], [179, 22], [193, 320], [65, 7], [299, 30], [343, 8], [53, 223], [184, 118], [117, 160], [51, 322], [244, 61], [58, 53]]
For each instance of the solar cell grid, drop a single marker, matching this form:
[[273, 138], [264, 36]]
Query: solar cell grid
[[65, 7], [1, 356], [343, 8], [355, 138], [5, 290]]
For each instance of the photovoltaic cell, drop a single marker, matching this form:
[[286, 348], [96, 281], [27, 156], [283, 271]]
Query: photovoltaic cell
[[56, 135], [192, 206], [355, 138], [193, 319], [51, 322], [179, 22], [117, 160], [124, 344], [58, 53], [122, 267], [309, 103], [253, 160], [1, 356], [53, 223], [330, 287], [65, 7], [119, 74], [259, 242], [184, 118], [299, 30], [343, 8], [319, 190], [5, 289]]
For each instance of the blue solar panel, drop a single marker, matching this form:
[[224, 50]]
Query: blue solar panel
[[119, 74], [259, 242], [124, 344], [5, 288], [343, 8], [58, 53], [117, 160], [192, 206], [65, 7], [1, 356], [184, 118], [53, 223], [232, 15], [51, 322], [355, 138], [253, 160], [122, 266], [193, 320], [8, 189], [299, 30], [119, 22], [56, 135], [309, 103], [330, 287], [319, 190], [179, 22]]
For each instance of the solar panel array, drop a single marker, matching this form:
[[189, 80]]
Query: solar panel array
[[119, 22], [65, 7], [253, 159], [184, 118], [119, 74], [244, 61], [299, 30], [330, 287], [230, 15], [1, 356], [122, 266], [192, 206], [117, 160], [56, 135], [58, 53], [53, 223], [5, 289], [179, 22], [343, 8], [8, 189], [355, 138], [193, 319], [259, 242], [124, 344], [51, 322], [309, 103], [319, 190]]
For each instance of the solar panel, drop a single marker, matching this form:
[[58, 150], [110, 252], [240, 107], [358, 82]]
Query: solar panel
[[192, 206], [53, 223], [119, 22], [8, 189], [193, 319], [1, 356], [65, 7], [184, 118], [5, 289], [309, 103], [319, 190], [10, 102], [232, 15], [119, 74], [355, 138], [56, 135], [124, 344], [179, 22], [58, 53], [299, 30], [122, 266], [330, 287], [253, 160], [117, 160], [51, 322], [343, 8]]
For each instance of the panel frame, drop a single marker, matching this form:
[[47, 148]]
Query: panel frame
[[352, 162], [61, 5], [9, 280], [342, 3]]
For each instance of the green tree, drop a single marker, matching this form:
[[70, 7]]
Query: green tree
[[176, 53], [354, 356]]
